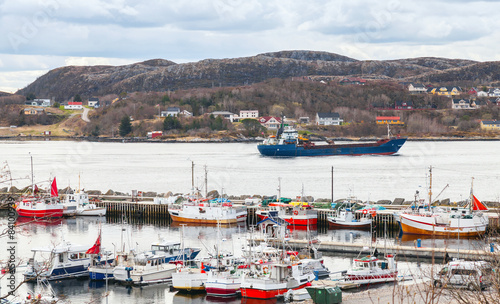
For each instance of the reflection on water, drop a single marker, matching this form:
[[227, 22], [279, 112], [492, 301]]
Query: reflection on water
[[191, 298]]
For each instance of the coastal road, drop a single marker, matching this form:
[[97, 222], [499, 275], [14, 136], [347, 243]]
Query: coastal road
[[85, 115]]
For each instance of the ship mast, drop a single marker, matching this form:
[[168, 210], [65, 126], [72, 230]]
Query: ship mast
[[32, 181], [430, 187]]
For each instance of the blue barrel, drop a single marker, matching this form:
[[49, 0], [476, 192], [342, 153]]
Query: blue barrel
[[492, 247], [419, 243]]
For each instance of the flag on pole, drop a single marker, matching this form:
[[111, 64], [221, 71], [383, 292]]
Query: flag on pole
[[96, 249], [36, 190], [53, 189], [477, 205]]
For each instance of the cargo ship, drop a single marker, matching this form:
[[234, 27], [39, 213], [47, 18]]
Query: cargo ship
[[288, 143]]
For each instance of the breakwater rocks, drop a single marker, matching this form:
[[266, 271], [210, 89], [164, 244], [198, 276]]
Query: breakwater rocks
[[15, 192]]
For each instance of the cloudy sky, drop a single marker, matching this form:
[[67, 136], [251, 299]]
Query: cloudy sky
[[39, 35]]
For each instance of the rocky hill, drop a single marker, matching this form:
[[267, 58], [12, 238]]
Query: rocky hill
[[162, 75]]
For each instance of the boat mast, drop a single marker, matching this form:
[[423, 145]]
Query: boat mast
[[471, 194], [32, 181], [430, 187], [279, 189]]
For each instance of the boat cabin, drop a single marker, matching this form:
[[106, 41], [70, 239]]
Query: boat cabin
[[166, 247]]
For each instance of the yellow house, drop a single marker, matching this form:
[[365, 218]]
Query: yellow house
[[490, 125], [446, 91], [391, 120]]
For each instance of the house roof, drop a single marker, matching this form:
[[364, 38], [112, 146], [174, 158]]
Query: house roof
[[222, 113], [490, 122], [94, 99], [265, 119], [458, 100], [328, 115], [74, 103], [388, 118], [173, 109]]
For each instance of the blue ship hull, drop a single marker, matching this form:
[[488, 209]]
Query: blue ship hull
[[382, 147]]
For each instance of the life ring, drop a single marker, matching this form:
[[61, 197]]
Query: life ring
[[295, 212], [365, 211], [265, 269]]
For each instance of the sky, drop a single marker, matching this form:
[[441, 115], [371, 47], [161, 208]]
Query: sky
[[39, 35]]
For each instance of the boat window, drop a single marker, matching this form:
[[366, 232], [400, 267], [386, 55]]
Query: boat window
[[74, 256], [61, 258], [81, 255], [156, 247]]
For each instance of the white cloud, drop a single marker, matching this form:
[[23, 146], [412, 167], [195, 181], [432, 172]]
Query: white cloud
[[40, 35]]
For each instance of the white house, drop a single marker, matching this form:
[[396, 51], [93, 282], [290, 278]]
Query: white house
[[38, 103], [482, 94], [328, 119], [226, 115], [73, 105], [494, 92], [171, 111], [270, 122], [93, 102], [249, 114], [417, 88], [462, 104]]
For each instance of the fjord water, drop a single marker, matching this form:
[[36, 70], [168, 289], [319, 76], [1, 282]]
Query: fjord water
[[238, 169], [84, 231]]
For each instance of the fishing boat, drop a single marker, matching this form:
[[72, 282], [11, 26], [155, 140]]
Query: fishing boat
[[294, 215], [208, 212], [190, 279], [456, 221], [63, 261], [281, 278], [78, 204], [288, 143], [41, 206], [371, 270], [346, 218], [154, 266]]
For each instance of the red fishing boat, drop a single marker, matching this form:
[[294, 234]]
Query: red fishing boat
[[298, 215], [40, 206]]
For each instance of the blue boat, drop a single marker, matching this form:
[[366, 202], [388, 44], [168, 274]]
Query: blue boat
[[288, 144], [63, 261]]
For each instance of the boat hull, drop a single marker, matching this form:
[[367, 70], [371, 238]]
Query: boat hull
[[267, 293], [100, 274], [40, 213], [349, 225], [187, 280], [425, 225], [208, 215], [383, 147], [222, 288], [295, 220]]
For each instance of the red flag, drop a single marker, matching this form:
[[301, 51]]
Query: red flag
[[53, 189], [36, 190], [477, 205], [96, 249]]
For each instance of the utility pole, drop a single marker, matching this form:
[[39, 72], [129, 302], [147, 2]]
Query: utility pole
[[332, 184]]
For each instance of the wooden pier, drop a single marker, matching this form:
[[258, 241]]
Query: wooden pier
[[402, 252]]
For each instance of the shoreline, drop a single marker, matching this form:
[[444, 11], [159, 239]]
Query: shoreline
[[216, 140]]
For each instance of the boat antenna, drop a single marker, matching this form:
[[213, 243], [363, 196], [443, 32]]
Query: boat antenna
[[282, 126]]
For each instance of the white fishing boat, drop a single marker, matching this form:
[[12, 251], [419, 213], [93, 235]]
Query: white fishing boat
[[154, 266], [190, 278], [346, 218], [78, 204], [371, 270]]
